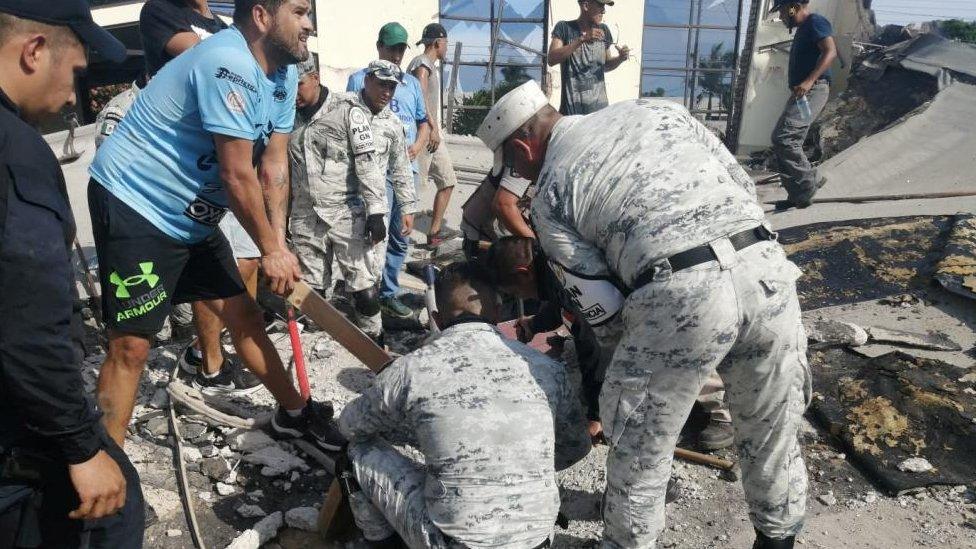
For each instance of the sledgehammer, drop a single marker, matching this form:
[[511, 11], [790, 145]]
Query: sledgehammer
[[705, 459]]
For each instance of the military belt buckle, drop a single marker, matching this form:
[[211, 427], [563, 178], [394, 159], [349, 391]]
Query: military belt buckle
[[661, 271]]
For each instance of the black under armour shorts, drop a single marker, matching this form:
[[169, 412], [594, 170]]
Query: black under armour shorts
[[143, 271]]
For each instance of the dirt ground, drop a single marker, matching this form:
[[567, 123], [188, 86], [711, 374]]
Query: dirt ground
[[844, 509]]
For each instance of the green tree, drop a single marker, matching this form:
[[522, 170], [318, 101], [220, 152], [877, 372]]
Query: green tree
[[715, 82], [957, 29], [466, 121]]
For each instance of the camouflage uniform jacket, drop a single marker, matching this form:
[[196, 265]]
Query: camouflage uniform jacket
[[112, 113], [628, 186], [493, 418], [336, 161], [393, 158]]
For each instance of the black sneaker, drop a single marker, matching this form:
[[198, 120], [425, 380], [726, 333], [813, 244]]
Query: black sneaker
[[314, 425], [232, 380], [765, 542], [189, 362]]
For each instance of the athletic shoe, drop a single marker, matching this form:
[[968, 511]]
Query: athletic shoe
[[189, 362], [802, 196], [314, 425], [232, 380], [392, 306], [444, 234]]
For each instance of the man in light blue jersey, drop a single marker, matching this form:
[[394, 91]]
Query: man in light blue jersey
[[408, 105], [183, 155]]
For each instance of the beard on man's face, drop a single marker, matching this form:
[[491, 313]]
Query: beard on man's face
[[288, 47]]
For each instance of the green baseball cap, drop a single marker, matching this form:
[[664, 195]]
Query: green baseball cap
[[393, 34]]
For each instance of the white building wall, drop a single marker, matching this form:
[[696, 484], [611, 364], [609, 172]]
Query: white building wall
[[347, 32], [111, 16]]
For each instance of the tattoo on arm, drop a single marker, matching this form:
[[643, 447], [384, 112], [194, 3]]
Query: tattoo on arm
[[275, 184]]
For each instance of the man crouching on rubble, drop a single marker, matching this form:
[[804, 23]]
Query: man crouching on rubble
[[493, 418]]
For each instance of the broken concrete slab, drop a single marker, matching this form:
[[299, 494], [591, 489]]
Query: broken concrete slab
[[303, 518], [262, 532], [915, 465], [250, 511], [248, 440], [874, 351], [276, 461], [216, 468], [956, 271], [836, 333], [932, 340]]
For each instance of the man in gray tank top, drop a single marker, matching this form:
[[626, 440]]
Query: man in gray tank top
[[435, 160]]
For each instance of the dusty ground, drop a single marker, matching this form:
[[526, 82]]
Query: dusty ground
[[844, 509]]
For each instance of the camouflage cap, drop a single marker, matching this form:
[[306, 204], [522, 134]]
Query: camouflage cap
[[308, 66], [385, 70]]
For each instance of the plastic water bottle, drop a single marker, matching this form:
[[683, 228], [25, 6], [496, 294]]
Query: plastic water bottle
[[804, 105]]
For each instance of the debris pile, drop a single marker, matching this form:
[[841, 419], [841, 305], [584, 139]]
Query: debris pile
[[889, 84]]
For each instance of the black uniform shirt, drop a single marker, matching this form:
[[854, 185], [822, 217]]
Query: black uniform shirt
[[42, 400], [160, 20]]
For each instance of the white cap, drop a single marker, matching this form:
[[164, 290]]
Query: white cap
[[507, 115]]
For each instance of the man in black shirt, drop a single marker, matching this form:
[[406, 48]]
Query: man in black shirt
[[811, 55], [170, 27], [63, 481]]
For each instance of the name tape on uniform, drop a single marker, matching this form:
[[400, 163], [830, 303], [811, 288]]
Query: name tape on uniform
[[360, 132]]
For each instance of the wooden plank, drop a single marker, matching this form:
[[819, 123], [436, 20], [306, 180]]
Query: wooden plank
[[347, 334], [332, 519]]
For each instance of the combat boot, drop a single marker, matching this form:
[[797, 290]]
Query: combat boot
[[765, 542]]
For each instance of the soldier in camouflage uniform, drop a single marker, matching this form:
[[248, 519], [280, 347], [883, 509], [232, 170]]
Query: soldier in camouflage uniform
[[112, 113], [339, 160], [493, 419], [655, 229]]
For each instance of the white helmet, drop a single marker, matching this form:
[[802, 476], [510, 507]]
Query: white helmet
[[507, 115]]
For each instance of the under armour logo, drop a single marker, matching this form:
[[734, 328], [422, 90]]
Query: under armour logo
[[122, 285]]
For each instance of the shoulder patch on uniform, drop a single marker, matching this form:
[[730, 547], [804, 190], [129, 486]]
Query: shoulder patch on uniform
[[360, 133], [235, 102]]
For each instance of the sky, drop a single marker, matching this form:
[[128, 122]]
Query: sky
[[901, 12]]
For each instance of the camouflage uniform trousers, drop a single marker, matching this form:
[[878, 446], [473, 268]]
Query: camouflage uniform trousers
[[392, 496], [741, 316], [318, 242]]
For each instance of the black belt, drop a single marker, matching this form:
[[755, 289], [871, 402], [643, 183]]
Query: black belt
[[704, 253]]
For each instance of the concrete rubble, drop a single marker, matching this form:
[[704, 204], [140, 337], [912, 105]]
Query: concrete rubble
[[237, 476], [932, 339], [262, 532], [915, 465]]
